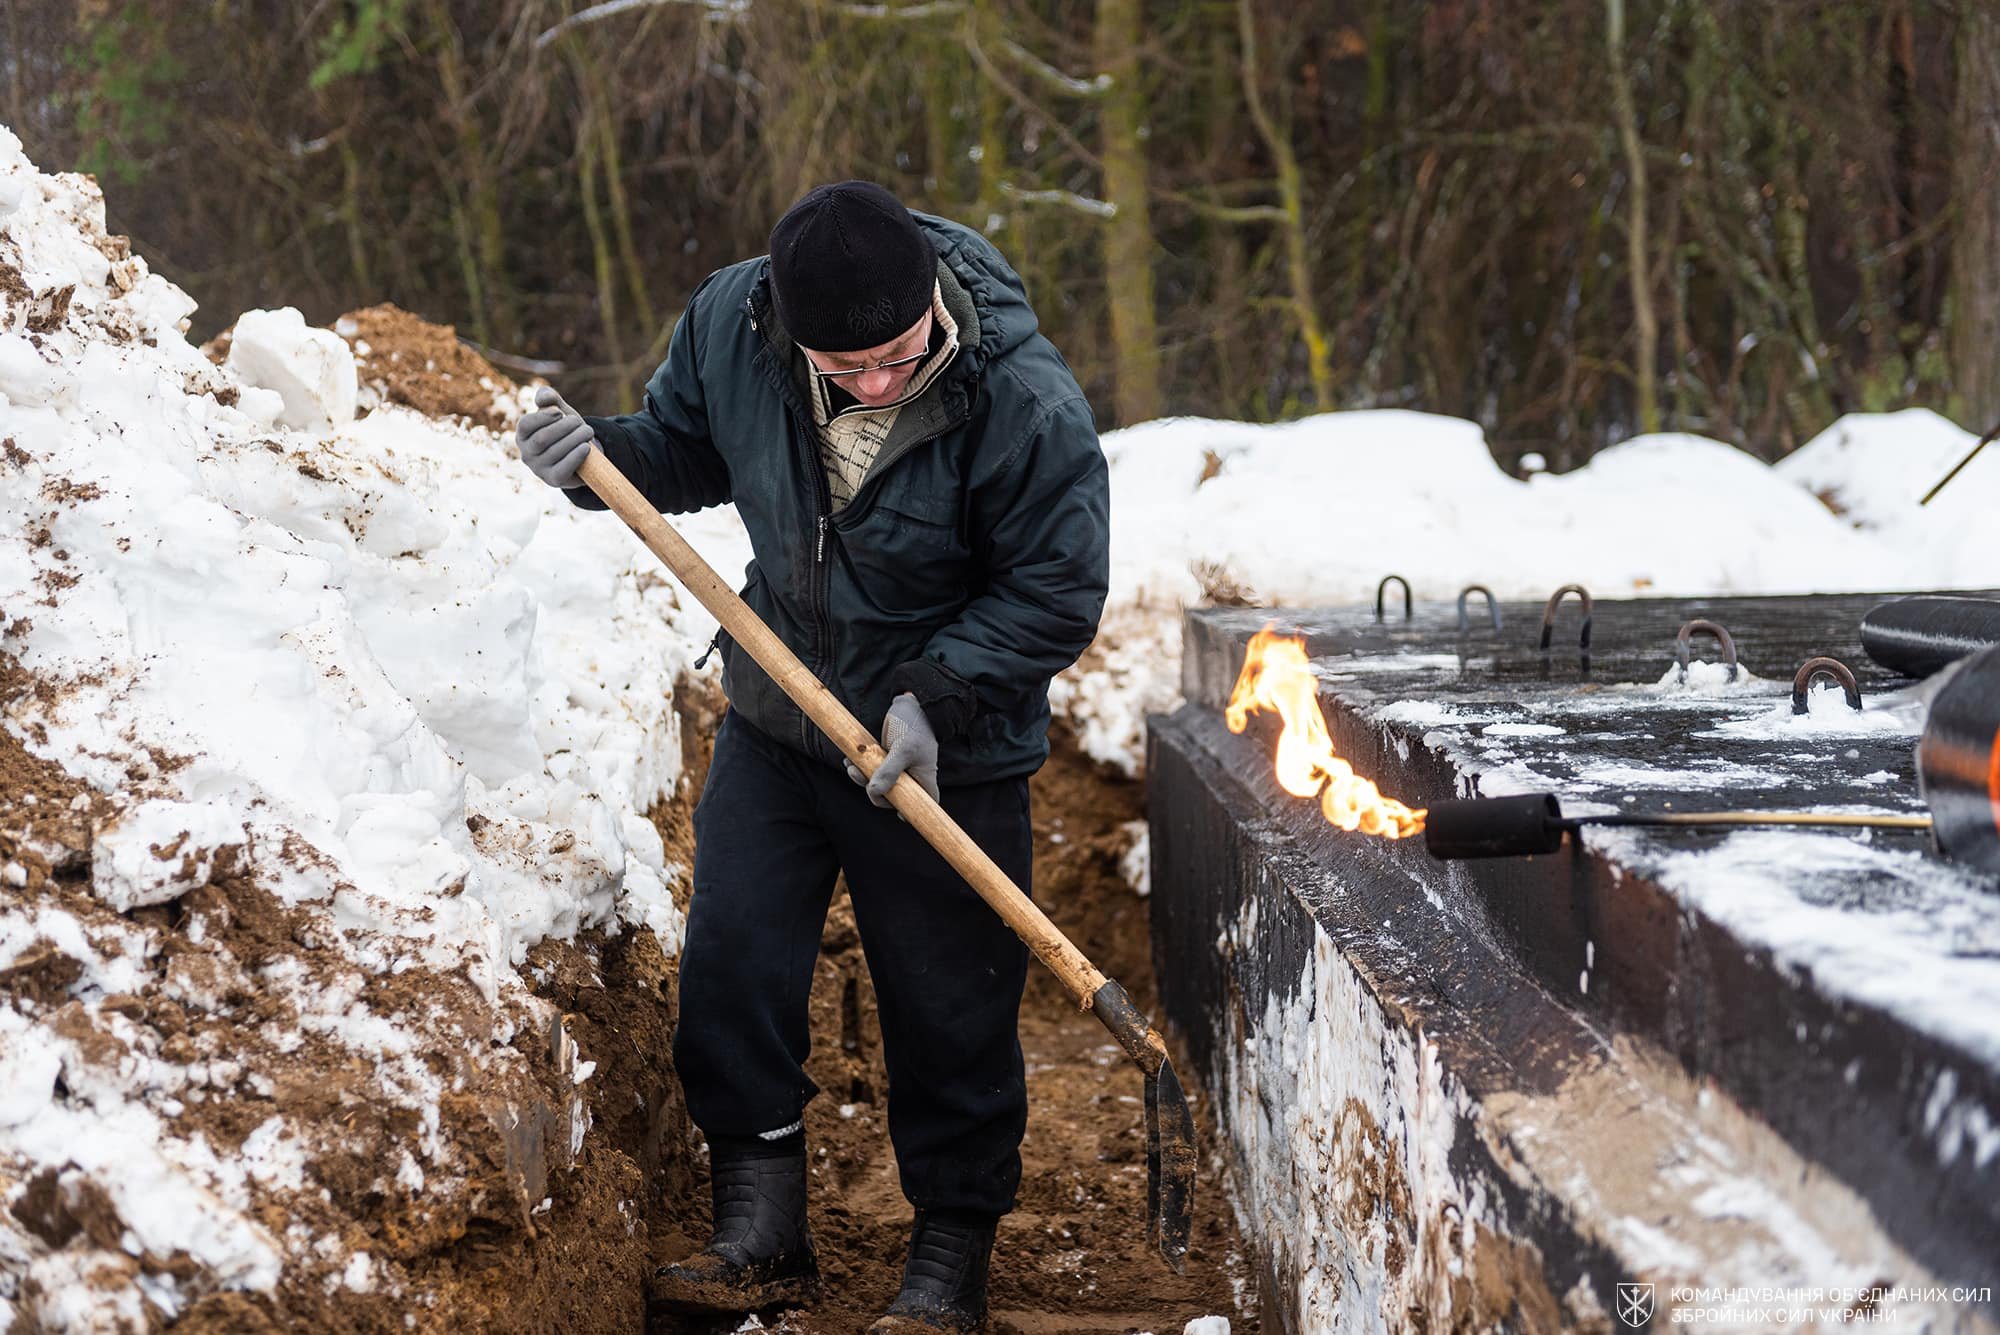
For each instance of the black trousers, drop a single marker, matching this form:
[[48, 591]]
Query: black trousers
[[771, 830]]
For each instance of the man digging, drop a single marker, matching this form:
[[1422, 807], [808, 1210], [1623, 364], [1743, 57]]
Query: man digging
[[927, 504]]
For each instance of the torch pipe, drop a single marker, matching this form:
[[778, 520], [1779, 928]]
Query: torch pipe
[[1863, 819], [1534, 823]]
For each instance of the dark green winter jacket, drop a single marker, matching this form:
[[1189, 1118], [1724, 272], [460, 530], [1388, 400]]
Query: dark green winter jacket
[[971, 565]]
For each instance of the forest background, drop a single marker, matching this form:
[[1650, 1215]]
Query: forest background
[[1569, 220]]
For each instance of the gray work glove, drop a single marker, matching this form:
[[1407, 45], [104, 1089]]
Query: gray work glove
[[912, 746], [554, 439]]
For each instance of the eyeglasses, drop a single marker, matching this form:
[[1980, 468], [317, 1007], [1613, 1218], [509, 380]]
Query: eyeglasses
[[890, 365], [894, 364]]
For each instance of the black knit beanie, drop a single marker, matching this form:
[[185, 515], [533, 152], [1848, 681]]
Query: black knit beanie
[[850, 268]]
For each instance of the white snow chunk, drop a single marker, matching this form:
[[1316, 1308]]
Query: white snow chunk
[[1521, 730], [159, 850], [312, 370], [1704, 678], [1136, 866]]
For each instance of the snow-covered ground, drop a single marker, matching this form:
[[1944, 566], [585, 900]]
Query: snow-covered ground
[[1315, 512], [372, 667]]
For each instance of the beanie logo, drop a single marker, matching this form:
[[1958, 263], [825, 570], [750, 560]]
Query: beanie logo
[[871, 319]]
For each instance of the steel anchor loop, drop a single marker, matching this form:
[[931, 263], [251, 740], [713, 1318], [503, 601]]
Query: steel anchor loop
[[1549, 615], [1492, 607], [1824, 667], [1382, 590], [1722, 637]]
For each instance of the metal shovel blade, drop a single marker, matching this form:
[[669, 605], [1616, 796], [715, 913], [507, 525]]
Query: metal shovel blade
[[1170, 1166], [1170, 1151]]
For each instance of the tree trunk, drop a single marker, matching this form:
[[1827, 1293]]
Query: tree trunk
[[1975, 251], [1128, 234], [1291, 199], [476, 218], [604, 261], [352, 187], [1646, 324], [621, 219]]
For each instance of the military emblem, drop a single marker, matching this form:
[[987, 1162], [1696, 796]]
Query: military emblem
[[1635, 1305]]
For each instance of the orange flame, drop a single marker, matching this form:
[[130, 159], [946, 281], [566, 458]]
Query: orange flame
[[1275, 676], [1993, 780]]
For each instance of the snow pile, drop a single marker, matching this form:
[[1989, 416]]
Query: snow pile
[[1712, 679], [369, 708], [1874, 468], [1317, 511], [362, 637], [1828, 715]]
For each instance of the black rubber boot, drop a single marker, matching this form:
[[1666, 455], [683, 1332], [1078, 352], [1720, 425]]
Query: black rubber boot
[[762, 1253], [944, 1281]]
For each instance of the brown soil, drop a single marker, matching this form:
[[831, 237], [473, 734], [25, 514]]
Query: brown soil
[[1073, 1256], [411, 361], [14, 287], [45, 813]]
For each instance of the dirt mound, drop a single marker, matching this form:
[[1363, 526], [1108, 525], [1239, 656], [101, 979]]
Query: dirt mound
[[408, 360]]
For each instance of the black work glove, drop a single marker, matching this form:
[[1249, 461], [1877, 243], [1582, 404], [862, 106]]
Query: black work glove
[[912, 747]]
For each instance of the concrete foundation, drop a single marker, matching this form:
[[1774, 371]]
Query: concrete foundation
[[1757, 1073]]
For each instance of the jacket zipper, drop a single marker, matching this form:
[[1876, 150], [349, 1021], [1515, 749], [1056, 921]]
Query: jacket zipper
[[822, 596], [821, 593]]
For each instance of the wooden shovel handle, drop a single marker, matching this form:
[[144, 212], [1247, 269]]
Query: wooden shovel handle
[[1019, 912]]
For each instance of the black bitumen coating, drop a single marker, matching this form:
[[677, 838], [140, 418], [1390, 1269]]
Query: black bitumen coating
[[1219, 853], [1862, 1072]]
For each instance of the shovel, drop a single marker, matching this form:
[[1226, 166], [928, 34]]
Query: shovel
[[1170, 1152]]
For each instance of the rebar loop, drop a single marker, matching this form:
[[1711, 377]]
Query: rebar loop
[[1824, 667]]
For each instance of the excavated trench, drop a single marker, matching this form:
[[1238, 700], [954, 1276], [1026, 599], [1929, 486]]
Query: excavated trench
[[1072, 1258]]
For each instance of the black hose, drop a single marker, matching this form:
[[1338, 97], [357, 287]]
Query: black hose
[[1919, 636], [1958, 762]]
